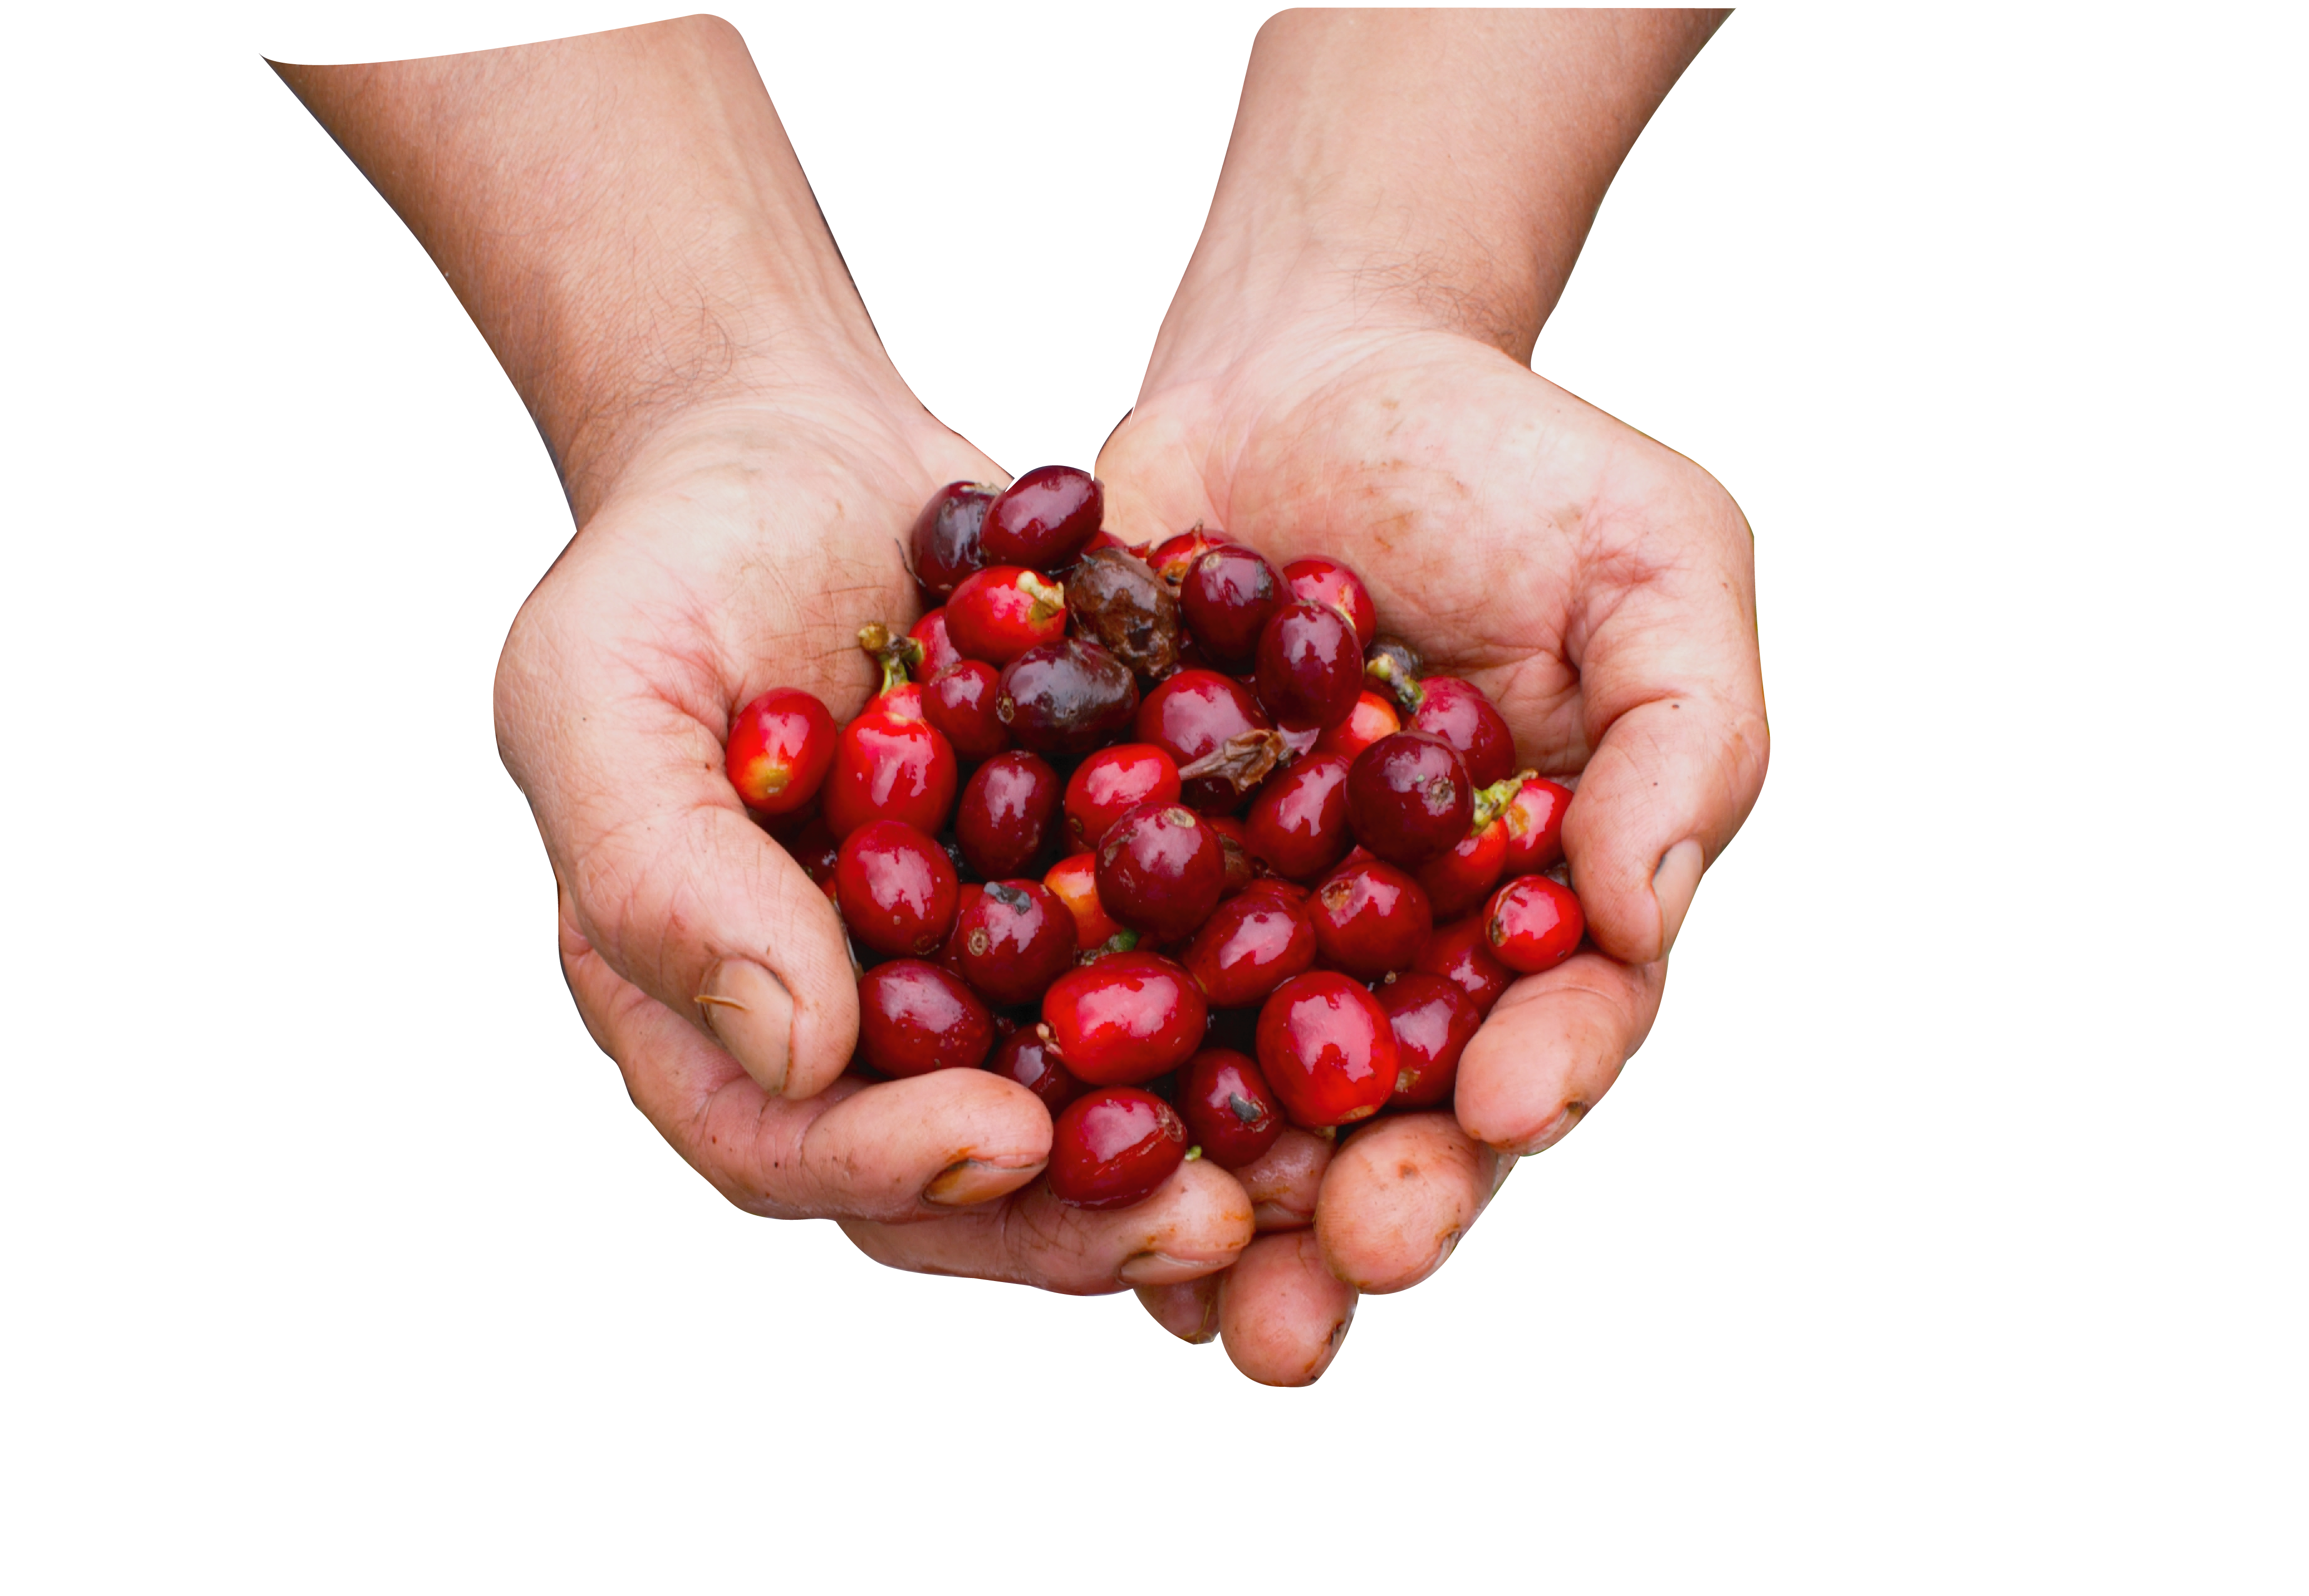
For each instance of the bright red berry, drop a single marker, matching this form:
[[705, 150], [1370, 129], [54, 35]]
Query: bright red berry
[[1112, 781], [1014, 940], [1311, 669], [1125, 1019], [1213, 730], [1114, 1147], [1042, 520], [780, 747], [1160, 870], [1461, 955], [1373, 718], [1004, 819], [1252, 944], [999, 613], [1174, 557], [1370, 918], [896, 888], [1025, 1057], [913, 1018], [1408, 798], [1075, 880], [1535, 825], [1324, 580], [1297, 825], [1226, 598], [1326, 1047], [1533, 923], [1432, 1019], [938, 650], [1458, 713], [890, 763], [1457, 881], [1229, 1110], [959, 700]]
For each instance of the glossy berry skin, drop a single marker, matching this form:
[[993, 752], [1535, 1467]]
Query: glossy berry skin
[[890, 763], [1075, 881], [1014, 940], [1324, 580], [1201, 717], [1005, 813], [1461, 954], [1025, 1057], [1370, 918], [780, 747], [937, 649], [1327, 1049], [1457, 881], [1234, 845], [1252, 944], [1229, 1110], [999, 613], [950, 955], [945, 544], [1112, 781], [1124, 1020], [1373, 718], [959, 700], [896, 888], [1298, 823], [1066, 698], [1533, 923], [1458, 713], [1311, 669], [1408, 798], [1042, 520], [913, 1018], [1160, 870], [1174, 557], [1227, 597], [1533, 819], [1433, 1020], [1111, 1148]]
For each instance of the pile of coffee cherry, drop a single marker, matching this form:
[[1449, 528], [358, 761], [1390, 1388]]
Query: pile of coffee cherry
[[1173, 838]]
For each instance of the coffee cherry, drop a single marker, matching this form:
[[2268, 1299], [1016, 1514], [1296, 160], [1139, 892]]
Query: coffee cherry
[[1215, 731], [1004, 816], [896, 888], [944, 545], [1373, 718], [1321, 580], [1160, 869], [1326, 1047], [780, 747], [1458, 713], [1457, 881], [1252, 944], [1114, 601], [913, 1018], [815, 850], [890, 763], [1533, 819], [1112, 781], [1066, 698], [1234, 847], [1461, 954], [1229, 1110], [1043, 518], [959, 700], [1074, 882], [1297, 825], [1226, 598], [1124, 1020], [1431, 1021], [1370, 918], [1014, 940], [1174, 557], [999, 613], [1114, 1147], [1408, 798], [1310, 668], [938, 650], [1533, 923], [949, 953], [1025, 1057]]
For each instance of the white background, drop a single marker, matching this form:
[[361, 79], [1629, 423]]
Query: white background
[[1947, 1234]]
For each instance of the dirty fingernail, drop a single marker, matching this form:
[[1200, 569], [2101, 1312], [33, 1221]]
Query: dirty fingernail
[[977, 1180], [750, 1014], [1160, 1269], [1672, 885], [1550, 1133], [1190, 1311]]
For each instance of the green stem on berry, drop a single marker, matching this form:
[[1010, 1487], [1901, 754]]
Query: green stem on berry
[[1050, 598], [896, 655], [1121, 941], [1491, 802], [1408, 693]]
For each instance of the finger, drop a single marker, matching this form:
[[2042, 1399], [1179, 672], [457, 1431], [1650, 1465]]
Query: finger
[[900, 1150], [1549, 1049], [1399, 1196], [1193, 1224], [1285, 1182], [1282, 1313], [1189, 1310]]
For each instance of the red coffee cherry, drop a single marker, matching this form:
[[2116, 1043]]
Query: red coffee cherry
[[1014, 940], [1433, 1020], [1160, 869], [1025, 1057], [913, 1018], [1370, 918], [945, 544], [950, 956], [1311, 669], [1461, 954], [1458, 713], [1114, 1147], [959, 700], [1216, 733], [890, 763], [896, 888], [1533, 923], [1321, 580], [1326, 1047], [1075, 881], [1229, 1110], [1251, 945], [1408, 798], [1535, 825], [1043, 518], [1126, 1019], [1457, 881], [999, 613], [780, 747], [1297, 825], [1004, 818], [1174, 557], [1226, 598], [1113, 781], [938, 650], [1373, 718], [1234, 845], [1066, 698]]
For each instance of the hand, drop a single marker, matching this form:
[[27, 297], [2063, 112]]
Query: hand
[[1599, 587]]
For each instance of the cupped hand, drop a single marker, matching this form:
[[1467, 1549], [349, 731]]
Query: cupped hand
[[739, 550], [1599, 587]]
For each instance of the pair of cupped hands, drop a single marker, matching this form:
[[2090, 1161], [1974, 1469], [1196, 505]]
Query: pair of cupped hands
[[1595, 584]]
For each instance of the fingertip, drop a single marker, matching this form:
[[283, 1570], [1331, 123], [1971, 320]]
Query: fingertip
[[1550, 1051], [1189, 1310], [1283, 1315], [1672, 886], [1398, 1199], [750, 1012]]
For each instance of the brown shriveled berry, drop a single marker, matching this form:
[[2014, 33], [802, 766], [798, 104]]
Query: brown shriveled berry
[[1115, 601]]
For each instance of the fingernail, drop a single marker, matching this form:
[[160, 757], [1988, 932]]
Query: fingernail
[[750, 1014], [1550, 1133], [1160, 1269], [975, 1180], [1672, 885], [1190, 1311]]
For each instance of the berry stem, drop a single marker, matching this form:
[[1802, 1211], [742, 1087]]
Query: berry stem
[[896, 655], [1407, 692], [1491, 801]]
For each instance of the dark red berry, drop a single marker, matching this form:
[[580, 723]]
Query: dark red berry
[[1533, 923], [1114, 601], [959, 700], [1160, 870], [815, 850], [1171, 559], [1310, 671], [1235, 843], [1004, 816], [1025, 1057], [1408, 798], [913, 1018], [1075, 880], [1113, 1148], [1043, 518], [1324, 580], [1458, 713], [896, 888], [1370, 918], [1252, 944], [944, 546], [1461, 955], [950, 955], [1433, 1019], [1457, 881], [780, 747], [999, 613], [1126, 1019], [1066, 698], [1535, 825], [890, 763], [1227, 598], [1229, 1110], [1373, 718], [1326, 1047], [1298, 823], [1215, 731], [1112, 781], [1014, 940]]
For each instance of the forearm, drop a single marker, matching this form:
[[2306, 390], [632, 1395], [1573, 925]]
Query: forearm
[[623, 218], [1432, 168]]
